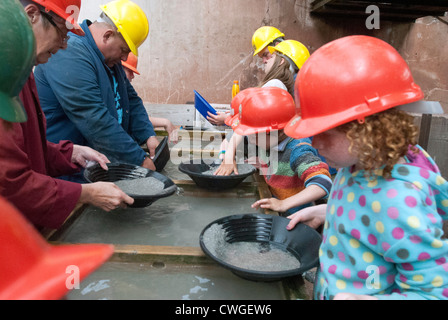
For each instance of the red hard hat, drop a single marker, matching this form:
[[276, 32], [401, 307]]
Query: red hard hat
[[263, 110], [131, 63], [235, 105], [349, 79], [32, 269], [66, 9]]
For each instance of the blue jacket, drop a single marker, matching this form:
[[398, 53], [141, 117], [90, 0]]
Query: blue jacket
[[76, 90]]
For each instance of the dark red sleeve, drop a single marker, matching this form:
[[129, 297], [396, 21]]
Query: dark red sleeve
[[44, 200], [59, 157]]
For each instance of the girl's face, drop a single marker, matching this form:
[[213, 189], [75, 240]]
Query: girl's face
[[333, 145], [269, 63], [265, 55]]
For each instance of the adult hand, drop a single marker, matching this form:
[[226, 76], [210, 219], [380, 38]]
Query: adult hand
[[152, 144], [82, 154], [312, 216], [104, 195], [149, 164]]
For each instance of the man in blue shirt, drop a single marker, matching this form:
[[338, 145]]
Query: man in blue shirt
[[86, 96]]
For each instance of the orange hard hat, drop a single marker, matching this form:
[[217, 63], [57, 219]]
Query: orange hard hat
[[349, 79], [67, 10], [31, 268], [263, 110], [131, 63]]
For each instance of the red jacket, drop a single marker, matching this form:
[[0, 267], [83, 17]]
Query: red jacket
[[29, 163]]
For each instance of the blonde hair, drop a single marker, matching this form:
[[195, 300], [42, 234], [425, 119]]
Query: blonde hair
[[281, 72], [382, 139]]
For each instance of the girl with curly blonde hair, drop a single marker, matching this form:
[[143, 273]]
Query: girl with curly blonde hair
[[383, 222], [382, 140]]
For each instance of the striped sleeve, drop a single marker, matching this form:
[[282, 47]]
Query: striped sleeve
[[310, 168]]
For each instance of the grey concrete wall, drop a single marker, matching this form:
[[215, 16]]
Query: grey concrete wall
[[206, 44]]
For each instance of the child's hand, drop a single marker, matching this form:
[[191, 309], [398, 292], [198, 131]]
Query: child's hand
[[226, 169], [312, 216], [173, 132], [219, 119], [270, 203]]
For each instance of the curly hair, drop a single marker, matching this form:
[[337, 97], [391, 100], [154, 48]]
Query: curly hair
[[382, 139]]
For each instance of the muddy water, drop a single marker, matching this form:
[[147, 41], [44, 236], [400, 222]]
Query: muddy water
[[136, 281], [174, 221]]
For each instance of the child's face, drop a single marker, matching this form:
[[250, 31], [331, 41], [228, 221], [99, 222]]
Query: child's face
[[269, 63], [333, 145], [265, 55]]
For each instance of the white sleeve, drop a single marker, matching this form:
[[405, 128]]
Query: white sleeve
[[275, 83]]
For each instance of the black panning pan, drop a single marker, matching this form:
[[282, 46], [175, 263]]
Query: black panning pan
[[196, 170], [302, 242], [162, 155], [120, 171]]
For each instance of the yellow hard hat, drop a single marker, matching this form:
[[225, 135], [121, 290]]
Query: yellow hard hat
[[130, 21], [294, 50], [263, 37]]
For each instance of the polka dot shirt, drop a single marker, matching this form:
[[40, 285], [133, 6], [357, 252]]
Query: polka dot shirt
[[384, 237]]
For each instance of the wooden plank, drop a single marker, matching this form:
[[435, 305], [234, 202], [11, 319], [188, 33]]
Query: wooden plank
[[425, 131], [399, 10], [319, 4], [198, 152], [54, 234], [243, 190], [437, 138], [178, 114], [159, 256], [430, 3], [158, 250], [264, 192], [438, 142], [295, 288], [135, 250]]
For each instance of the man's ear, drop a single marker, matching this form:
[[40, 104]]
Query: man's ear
[[33, 13], [108, 35]]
